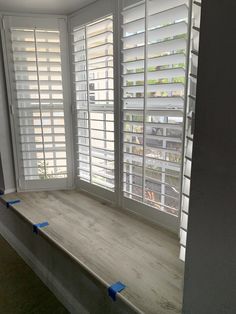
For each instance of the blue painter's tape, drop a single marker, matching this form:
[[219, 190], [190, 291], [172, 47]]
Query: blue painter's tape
[[12, 202], [39, 226], [113, 289]]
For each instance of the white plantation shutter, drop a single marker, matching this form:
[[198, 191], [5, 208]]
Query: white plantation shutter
[[154, 38], [153, 70], [94, 102], [37, 101], [189, 132]]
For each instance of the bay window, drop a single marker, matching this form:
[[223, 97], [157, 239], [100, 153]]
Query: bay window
[[129, 144]]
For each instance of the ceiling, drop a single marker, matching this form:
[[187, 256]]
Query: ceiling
[[43, 6]]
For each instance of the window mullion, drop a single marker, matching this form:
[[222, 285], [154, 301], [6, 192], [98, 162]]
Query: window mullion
[[145, 95]]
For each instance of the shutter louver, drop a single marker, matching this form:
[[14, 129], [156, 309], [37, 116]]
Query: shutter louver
[[154, 56], [94, 99], [189, 131]]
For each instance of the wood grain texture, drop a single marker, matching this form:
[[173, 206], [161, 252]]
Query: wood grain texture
[[113, 244]]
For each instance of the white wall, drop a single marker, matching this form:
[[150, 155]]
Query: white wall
[[7, 179], [92, 12]]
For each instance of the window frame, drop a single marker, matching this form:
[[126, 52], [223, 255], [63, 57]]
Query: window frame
[[118, 199], [150, 213], [96, 190], [79, 19], [38, 21]]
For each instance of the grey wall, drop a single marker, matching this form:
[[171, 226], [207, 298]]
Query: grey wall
[[7, 179], [210, 278]]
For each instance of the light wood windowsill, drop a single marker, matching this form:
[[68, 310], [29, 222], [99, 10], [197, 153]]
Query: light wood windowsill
[[111, 244]]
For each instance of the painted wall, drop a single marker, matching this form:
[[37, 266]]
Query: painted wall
[[43, 6], [92, 12], [7, 178], [210, 277]]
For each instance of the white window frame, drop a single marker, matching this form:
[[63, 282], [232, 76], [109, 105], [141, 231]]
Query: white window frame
[[152, 214], [93, 12], [101, 9], [93, 188], [39, 21]]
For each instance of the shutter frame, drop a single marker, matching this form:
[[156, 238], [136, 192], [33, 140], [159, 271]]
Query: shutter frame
[[93, 71], [59, 25], [140, 52], [189, 124]]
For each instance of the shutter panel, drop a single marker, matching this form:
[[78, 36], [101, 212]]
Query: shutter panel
[[153, 71], [189, 132], [35, 70], [94, 101]]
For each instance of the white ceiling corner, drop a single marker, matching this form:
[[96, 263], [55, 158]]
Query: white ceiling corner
[[43, 6]]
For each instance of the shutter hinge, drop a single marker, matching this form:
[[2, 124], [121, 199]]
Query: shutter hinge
[[19, 183], [72, 109], [3, 23], [12, 109], [193, 123]]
